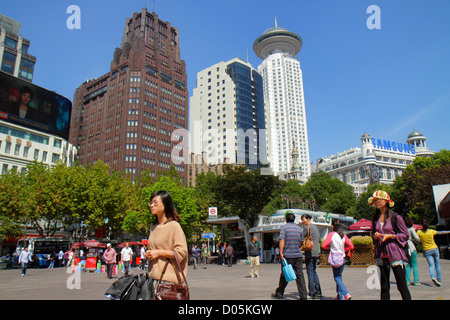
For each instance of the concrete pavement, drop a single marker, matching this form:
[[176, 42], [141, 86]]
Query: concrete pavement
[[215, 283]]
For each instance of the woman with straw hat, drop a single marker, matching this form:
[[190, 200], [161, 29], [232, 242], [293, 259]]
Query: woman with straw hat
[[390, 236]]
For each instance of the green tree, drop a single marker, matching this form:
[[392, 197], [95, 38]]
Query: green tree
[[415, 186], [13, 204], [329, 193], [183, 197], [246, 192]]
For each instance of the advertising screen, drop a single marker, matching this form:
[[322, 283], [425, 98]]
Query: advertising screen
[[24, 103]]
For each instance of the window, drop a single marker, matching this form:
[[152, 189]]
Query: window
[[8, 147], [11, 43], [9, 61], [55, 157]]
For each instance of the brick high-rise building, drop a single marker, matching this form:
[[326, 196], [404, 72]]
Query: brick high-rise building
[[126, 117]]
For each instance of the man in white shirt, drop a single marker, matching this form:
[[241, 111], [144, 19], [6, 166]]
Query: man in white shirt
[[60, 258], [125, 257], [24, 257], [143, 259]]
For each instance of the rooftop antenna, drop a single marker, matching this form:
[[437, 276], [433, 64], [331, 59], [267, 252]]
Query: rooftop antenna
[[276, 24], [247, 55]]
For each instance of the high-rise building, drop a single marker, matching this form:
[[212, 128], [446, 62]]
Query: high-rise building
[[126, 118], [14, 56], [34, 122], [227, 115], [285, 101]]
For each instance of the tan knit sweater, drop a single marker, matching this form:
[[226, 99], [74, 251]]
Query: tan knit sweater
[[168, 236]]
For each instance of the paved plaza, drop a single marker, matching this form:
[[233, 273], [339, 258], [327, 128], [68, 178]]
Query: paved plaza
[[217, 282]]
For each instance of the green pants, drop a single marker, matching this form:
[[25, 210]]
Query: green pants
[[412, 263]]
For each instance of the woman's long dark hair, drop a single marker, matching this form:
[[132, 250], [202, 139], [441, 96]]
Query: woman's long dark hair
[[337, 227], [425, 224], [169, 207]]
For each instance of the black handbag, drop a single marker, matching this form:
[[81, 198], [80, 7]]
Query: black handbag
[[138, 287], [172, 291]]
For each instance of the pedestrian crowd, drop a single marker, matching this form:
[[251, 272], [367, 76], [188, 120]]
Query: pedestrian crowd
[[394, 250], [394, 239]]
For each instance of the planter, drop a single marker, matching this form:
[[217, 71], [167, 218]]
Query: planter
[[362, 254], [324, 257]]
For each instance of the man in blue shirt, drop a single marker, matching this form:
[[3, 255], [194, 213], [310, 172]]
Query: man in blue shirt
[[291, 237]]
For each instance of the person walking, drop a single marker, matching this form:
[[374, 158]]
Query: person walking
[[390, 236], [109, 256], [291, 237], [219, 254], [337, 242], [412, 258], [204, 255], [311, 257], [143, 258], [60, 258], [277, 254], [126, 256], [70, 258], [24, 258], [253, 256], [66, 258], [195, 252], [166, 239], [431, 251], [229, 253], [51, 260]]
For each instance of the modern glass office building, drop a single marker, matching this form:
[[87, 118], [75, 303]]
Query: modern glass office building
[[227, 115]]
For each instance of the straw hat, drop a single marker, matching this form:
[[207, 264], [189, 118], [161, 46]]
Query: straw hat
[[380, 194]]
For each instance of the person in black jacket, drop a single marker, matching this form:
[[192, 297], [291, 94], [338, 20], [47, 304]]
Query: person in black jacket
[[253, 256], [22, 108]]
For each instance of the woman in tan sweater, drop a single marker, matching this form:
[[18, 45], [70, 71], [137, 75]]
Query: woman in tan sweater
[[166, 236]]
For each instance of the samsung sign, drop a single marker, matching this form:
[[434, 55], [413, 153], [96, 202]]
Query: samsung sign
[[394, 146]]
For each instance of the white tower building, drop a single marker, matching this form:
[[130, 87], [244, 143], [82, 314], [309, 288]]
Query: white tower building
[[284, 99]]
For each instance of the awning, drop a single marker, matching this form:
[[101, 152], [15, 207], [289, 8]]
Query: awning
[[130, 243], [94, 244], [362, 224]]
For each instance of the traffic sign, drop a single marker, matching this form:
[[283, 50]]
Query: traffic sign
[[212, 212], [208, 235]]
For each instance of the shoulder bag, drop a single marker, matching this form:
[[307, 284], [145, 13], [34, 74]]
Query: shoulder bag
[[308, 243], [172, 291]]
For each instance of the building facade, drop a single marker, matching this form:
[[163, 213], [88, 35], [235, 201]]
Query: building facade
[[25, 139], [227, 115], [376, 161], [285, 100], [198, 164], [14, 56], [127, 117], [20, 146]]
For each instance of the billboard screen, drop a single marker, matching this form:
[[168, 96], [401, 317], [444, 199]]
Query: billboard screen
[[24, 103]]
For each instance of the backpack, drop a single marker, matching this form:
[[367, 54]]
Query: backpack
[[336, 259], [308, 243], [397, 230]]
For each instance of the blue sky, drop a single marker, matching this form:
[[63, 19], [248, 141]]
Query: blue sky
[[386, 81]]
